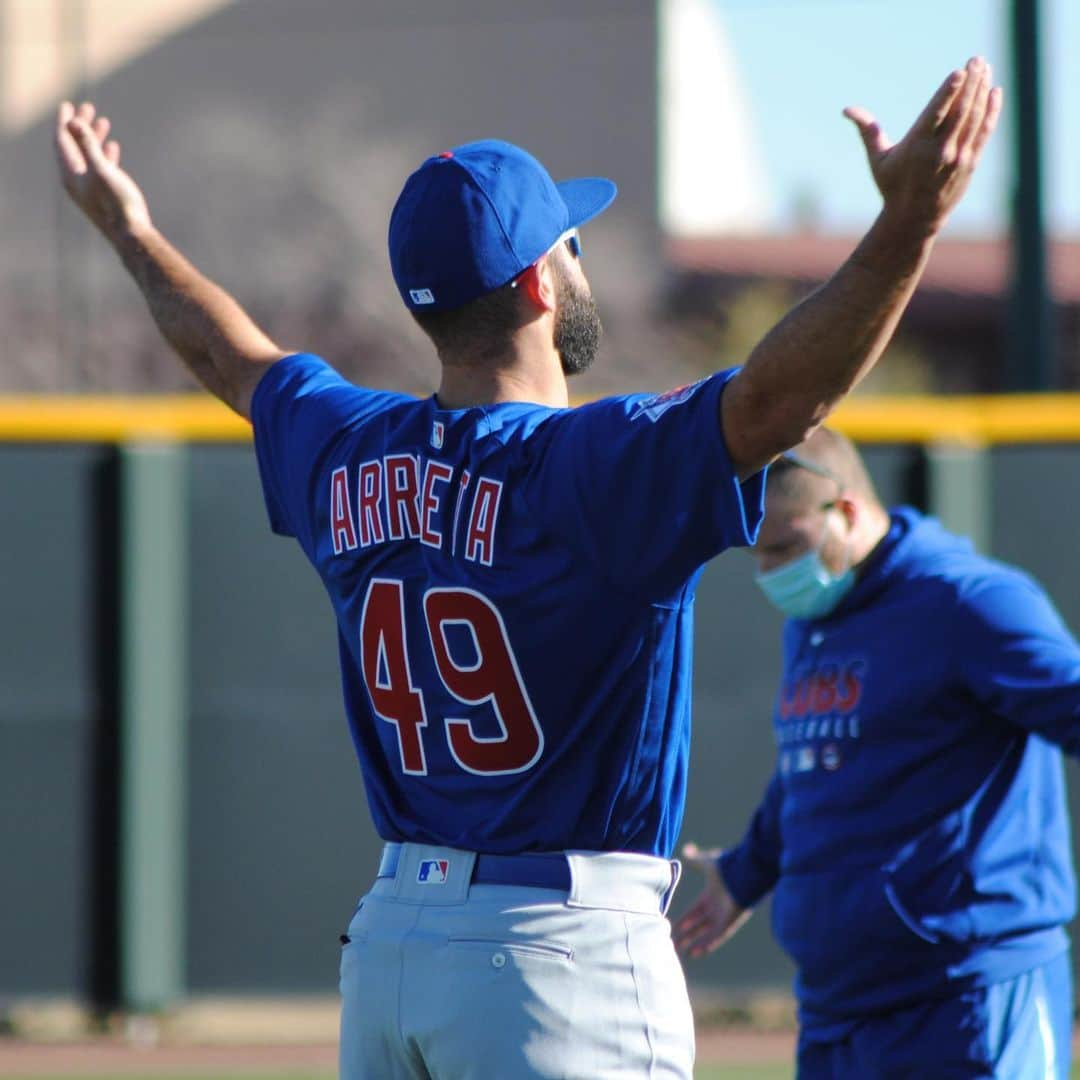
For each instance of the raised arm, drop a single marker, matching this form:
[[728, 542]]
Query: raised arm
[[214, 336], [805, 365]]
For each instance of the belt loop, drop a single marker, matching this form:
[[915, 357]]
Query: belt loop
[[388, 861], [433, 875], [676, 874], [618, 880]]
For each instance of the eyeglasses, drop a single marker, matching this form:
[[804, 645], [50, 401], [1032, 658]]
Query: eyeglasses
[[812, 467], [818, 470]]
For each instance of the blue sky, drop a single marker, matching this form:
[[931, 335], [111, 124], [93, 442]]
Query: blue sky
[[802, 61]]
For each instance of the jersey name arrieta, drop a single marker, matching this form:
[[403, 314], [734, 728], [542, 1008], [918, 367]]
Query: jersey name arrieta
[[513, 589], [405, 497]]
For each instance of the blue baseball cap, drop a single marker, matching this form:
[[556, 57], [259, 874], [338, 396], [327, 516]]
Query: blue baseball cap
[[471, 219]]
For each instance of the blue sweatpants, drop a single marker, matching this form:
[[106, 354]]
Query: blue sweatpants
[[1019, 1029]]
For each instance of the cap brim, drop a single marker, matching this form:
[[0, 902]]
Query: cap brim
[[586, 197]]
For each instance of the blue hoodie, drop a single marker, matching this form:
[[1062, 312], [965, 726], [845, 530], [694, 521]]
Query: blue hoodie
[[915, 833]]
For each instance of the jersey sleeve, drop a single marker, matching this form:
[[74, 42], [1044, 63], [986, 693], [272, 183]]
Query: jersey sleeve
[[751, 869], [1020, 660], [299, 409], [644, 486]]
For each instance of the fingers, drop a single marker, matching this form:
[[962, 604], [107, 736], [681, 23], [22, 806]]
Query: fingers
[[68, 154], [874, 139], [689, 928], [958, 116], [993, 111], [702, 944], [697, 936], [699, 913], [692, 853], [956, 110], [703, 859], [931, 118], [965, 116], [88, 143], [691, 934], [82, 139], [958, 149], [965, 143]]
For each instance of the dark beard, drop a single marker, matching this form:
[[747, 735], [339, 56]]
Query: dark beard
[[577, 325]]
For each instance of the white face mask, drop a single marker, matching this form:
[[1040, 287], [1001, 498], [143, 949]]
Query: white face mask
[[805, 588]]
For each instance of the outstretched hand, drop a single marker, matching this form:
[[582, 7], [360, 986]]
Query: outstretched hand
[[924, 175], [89, 163], [714, 916]]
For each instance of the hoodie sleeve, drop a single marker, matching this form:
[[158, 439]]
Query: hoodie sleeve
[[1020, 660], [751, 868]]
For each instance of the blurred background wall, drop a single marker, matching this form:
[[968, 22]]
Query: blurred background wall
[[143, 593], [274, 839]]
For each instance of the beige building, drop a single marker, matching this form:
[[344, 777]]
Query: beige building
[[51, 47], [272, 137]]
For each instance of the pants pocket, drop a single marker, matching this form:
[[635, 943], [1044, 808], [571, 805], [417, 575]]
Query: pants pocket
[[543, 949]]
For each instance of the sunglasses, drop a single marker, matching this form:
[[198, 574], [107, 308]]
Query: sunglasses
[[571, 238]]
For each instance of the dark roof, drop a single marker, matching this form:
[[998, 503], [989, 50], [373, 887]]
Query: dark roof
[[978, 268]]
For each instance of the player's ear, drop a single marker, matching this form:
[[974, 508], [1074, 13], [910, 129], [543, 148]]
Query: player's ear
[[537, 283], [849, 508]]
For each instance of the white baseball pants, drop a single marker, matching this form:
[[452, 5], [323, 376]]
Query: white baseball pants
[[445, 979]]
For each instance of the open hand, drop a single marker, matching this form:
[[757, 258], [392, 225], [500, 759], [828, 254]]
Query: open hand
[[714, 916], [924, 175], [90, 171]]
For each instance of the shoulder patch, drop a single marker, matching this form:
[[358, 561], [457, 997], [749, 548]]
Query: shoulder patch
[[654, 407]]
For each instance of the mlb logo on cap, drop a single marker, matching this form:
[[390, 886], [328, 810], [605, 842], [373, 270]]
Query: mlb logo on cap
[[432, 871]]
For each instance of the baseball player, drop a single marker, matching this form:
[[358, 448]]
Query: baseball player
[[915, 835], [513, 582]]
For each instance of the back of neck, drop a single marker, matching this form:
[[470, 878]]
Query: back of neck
[[466, 385]]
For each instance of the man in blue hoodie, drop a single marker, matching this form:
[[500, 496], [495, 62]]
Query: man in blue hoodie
[[914, 834]]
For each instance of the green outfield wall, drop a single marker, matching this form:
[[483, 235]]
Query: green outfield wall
[[180, 811]]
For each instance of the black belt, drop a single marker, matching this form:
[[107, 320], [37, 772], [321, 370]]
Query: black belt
[[537, 870]]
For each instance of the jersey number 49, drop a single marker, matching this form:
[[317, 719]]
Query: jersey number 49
[[492, 677]]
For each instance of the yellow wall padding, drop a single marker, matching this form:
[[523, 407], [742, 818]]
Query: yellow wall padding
[[1020, 418]]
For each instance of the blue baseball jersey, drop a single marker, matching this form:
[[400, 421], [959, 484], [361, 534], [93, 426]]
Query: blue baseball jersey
[[513, 586], [915, 833]]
